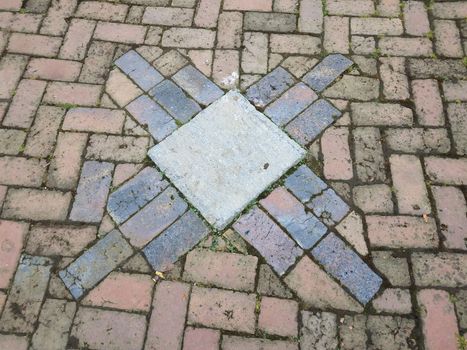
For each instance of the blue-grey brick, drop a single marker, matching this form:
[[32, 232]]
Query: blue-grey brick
[[135, 194], [154, 218], [345, 265], [197, 85], [96, 263], [290, 104], [173, 99], [270, 87], [147, 112], [145, 75], [312, 121], [91, 195], [327, 71], [278, 249], [176, 241], [26, 294], [304, 183], [329, 207]]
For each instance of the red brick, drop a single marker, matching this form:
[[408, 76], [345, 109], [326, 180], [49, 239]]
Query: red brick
[[11, 341], [20, 22], [310, 19], [66, 161], [36, 204], [278, 317], [336, 34], [11, 5], [12, 236], [72, 93], [76, 39], [52, 69], [94, 120], [317, 289], [231, 271], [248, 5], [168, 16], [55, 22], [3, 190], [396, 46], [117, 148], [223, 309], [22, 171], [11, 69], [167, 321], [376, 26], [416, 18], [450, 10], [395, 82], [295, 43], [406, 232], [201, 339], [59, 240], [439, 323], [448, 41], [122, 291], [37, 45], [189, 38], [388, 8], [25, 103], [207, 13], [102, 11], [455, 90], [229, 30], [451, 209], [350, 8], [336, 154], [446, 170], [120, 33], [103, 329]]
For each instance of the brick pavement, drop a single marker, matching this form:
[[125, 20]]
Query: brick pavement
[[379, 198]]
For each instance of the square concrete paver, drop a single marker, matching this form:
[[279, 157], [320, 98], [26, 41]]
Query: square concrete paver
[[225, 157]]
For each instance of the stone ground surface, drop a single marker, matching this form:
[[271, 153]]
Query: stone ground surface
[[382, 189]]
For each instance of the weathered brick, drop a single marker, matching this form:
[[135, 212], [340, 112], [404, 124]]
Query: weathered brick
[[138, 69], [269, 22], [362, 45], [11, 5], [439, 322], [188, 38], [336, 154], [351, 228], [417, 140], [439, 269], [31, 44], [376, 26], [92, 192], [248, 5], [374, 113], [94, 120], [373, 198], [448, 171], [388, 8], [53, 69], [369, 157], [456, 114], [225, 270], [97, 328], [278, 317], [25, 102], [295, 43], [395, 46], [223, 309], [393, 300], [120, 33], [448, 42], [428, 102], [117, 148], [97, 63], [172, 98], [310, 18], [64, 240], [382, 328], [59, 93], [336, 34], [406, 232], [451, 206], [165, 330], [317, 289], [450, 10], [54, 324], [202, 60], [168, 16], [304, 184], [135, 194], [229, 30], [95, 263], [207, 13], [26, 294], [169, 63], [102, 11], [121, 88], [12, 235], [122, 291], [394, 268], [354, 8], [410, 189], [416, 18], [230, 342], [394, 79], [66, 161], [436, 68], [304, 227], [270, 87], [36, 205], [318, 329], [11, 69], [255, 53], [22, 171], [270, 241], [11, 141], [353, 87], [201, 339], [55, 22], [11, 341], [225, 68], [455, 90]]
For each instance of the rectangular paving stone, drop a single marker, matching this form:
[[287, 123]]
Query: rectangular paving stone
[[120, 33], [224, 309], [325, 72], [33, 44], [220, 269], [270, 87], [177, 240], [11, 69], [268, 239], [197, 85], [154, 218], [21, 171], [135, 194], [138, 69], [329, 207], [369, 158], [91, 195], [94, 120], [312, 121], [173, 99], [148, 113], [76, 40], [26, 294], [168, 16], [54, 324], [59, 93], [290, 104], [440, 269], [12, 236], [11, 141], [304, 227], [270, 22], [305, 184], [189, 38], [346, 266], [170, 303], [117, 148], [230, 342], [95, 263]]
